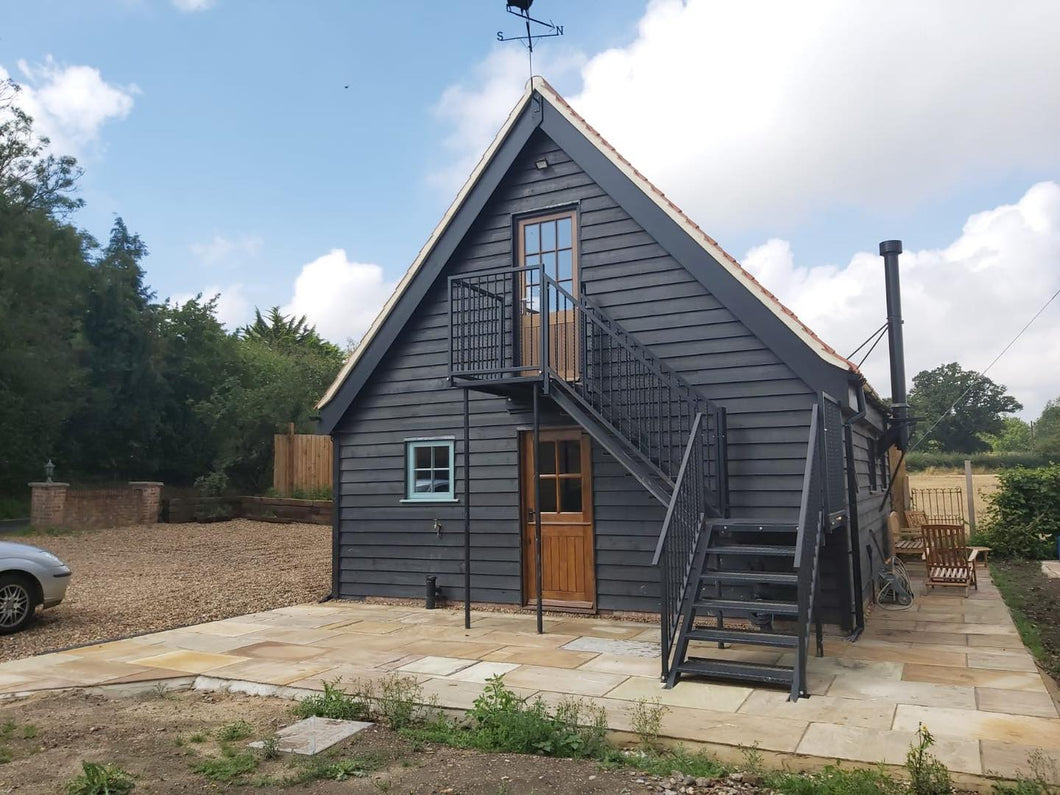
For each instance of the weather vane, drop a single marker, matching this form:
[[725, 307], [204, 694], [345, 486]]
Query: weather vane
[[521, 9]]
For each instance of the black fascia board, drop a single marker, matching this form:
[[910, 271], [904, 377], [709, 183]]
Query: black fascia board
[[488, 181], [818, 374]]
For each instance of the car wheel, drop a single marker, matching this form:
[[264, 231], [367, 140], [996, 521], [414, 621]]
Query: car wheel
[[16, 603]]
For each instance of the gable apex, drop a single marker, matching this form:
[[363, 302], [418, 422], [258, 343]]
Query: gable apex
[[542, 107]]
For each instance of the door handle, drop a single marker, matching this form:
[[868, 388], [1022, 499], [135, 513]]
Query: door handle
[[530, 515]]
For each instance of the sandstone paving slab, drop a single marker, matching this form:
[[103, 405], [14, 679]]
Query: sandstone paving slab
[[705, 695], [897, 654], [192, 662], [436, 666], [614, 646], [769, 733], [193, 641], [367, 657], [1051, 569], [289, 635], [1006, 661], [599, 629], [961, 628], [482, 671], [275, 650], [575, 682], [228, 628], [553, 658], [1015, 702], [531, 639], [1012, 760], [974, 677], [423, 631], [44, 682], [436, 618], [980, 725], [630, 666], [451, 648], [374, 627], [312, 735], [352, 640], [995, 641], [916, 636], [849, 668], [119, 651], [889, 747], [271, 672], [456, 694], [514, 623], [904, 692], [145, 675], [871, 713], [351, 678]]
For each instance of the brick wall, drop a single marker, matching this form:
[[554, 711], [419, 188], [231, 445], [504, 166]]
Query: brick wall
[[56, 505]]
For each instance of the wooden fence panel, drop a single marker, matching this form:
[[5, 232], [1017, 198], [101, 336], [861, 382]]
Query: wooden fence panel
[[301, 463]]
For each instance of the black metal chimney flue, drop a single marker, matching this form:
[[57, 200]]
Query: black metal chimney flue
[[889, 250]]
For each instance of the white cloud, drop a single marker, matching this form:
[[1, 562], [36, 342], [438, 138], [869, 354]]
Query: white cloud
[[192, 5], [223, 250], [477, 108], [756, 114], [961, 303], [234, 309], [339, 297], [70, 104]]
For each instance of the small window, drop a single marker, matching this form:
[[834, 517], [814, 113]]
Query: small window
[[429, 470]]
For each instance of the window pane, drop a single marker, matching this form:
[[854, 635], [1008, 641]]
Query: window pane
[[550, 263], [547, 458], [441, 481], [566, 265], [563, 226], [548, 236], [422, 481], [570, 495], [570, 456], [422, 459], [441, 457], [548, 495], [532, 238]]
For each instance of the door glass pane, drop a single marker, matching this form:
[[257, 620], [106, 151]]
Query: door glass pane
[[548, 236], [563, 228], [532, 237], [549, 259], [565, 269], [570, 456], [547, 458], [548, 495], [570, 495]]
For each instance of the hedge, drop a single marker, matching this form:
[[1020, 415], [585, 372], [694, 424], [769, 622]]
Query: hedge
[[993, 461], [1023, 520]]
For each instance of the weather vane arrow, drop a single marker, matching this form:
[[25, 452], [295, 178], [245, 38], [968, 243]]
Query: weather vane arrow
[[521, 9]]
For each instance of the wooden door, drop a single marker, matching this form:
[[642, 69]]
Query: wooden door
[[549, 243], [567, 570]]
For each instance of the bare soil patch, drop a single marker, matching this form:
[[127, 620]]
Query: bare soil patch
[[132, 580], [160, 739], [1034, 601]]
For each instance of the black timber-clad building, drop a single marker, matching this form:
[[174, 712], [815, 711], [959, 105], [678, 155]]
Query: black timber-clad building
[[700, 453]]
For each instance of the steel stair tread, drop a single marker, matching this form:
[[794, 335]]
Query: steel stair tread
[[746, 671], [750, 577], [754, 526], [751, 606], [752, 549], [750, 637]]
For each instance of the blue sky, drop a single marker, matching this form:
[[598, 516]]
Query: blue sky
[[224, 133]]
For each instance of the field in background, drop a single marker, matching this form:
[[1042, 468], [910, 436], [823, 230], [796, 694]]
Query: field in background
[[982, 484]]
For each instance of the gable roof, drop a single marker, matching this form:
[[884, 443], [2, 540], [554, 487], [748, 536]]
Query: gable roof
[[542, 107]]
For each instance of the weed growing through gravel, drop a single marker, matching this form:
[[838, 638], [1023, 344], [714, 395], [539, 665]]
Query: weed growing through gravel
[[237, 730], [334, 702], [97, 779], [229, 767]]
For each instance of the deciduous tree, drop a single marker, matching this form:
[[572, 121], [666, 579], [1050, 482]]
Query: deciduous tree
[[968, 403]]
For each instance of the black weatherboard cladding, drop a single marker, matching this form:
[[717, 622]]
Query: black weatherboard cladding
[[387, 548]]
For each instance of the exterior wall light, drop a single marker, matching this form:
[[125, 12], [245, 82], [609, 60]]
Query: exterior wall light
[[541, 164], [49, 470]]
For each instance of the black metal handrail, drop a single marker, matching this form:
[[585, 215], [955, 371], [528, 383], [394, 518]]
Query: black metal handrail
[[812, 509], [676, 548], [510, 323]]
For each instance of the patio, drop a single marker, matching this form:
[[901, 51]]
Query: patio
[[955, 664]]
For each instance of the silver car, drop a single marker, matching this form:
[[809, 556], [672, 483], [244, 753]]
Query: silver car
[[29, 576]]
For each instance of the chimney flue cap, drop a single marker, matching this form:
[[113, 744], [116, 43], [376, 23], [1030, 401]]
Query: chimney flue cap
[[890, 247]]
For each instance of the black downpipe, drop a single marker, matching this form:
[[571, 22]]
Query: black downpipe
[[889, 250], [430, 598], [467, 509], [857, 607]]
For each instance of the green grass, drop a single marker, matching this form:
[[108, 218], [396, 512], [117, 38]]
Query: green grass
[[238, 730], [229, 767]]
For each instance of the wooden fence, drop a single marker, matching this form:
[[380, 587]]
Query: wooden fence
[[302, 464]]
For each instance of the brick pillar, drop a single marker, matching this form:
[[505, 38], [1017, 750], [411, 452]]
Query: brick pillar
[[150, 500], [48, 504]]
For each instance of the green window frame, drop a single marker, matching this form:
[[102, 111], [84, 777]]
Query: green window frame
[[430, 470]]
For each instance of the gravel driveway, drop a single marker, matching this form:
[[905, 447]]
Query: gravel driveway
[[132, 580]]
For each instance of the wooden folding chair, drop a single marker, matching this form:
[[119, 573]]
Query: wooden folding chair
[[949, 560], [909, 540]]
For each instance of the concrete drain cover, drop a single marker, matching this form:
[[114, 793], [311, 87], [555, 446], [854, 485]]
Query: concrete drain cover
[[313, 735]]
